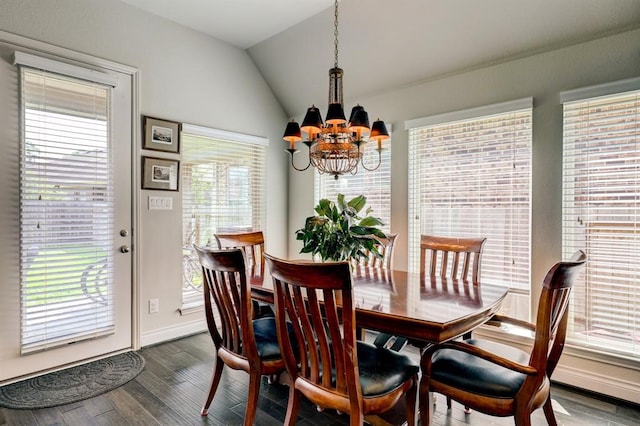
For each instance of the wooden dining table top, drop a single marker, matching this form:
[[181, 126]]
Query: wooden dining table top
[[401, 303]]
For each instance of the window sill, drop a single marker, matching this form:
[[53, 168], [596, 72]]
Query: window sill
[[191, 308]]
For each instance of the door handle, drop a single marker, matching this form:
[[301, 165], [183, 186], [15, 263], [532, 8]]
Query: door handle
[[124, 249]]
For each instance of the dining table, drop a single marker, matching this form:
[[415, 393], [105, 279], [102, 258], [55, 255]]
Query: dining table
[[408, 304]]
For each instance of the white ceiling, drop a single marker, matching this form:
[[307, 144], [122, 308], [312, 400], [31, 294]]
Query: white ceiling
[[241, 23], [387, 44]]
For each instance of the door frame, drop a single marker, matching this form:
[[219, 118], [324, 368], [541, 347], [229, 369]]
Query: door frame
[[46, 49]]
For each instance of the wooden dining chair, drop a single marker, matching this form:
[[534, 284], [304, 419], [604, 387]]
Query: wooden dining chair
[[252, 245], [325, 362], [384, 261], [501, 380], [242, 343], [450, 257], [384, 246]]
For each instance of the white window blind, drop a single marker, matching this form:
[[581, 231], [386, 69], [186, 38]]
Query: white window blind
[[469, 176], [375, 185], [223, 181], [601, 215], [66, 212]]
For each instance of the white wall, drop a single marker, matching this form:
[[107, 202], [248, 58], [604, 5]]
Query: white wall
[[184, 76], [542, 76]]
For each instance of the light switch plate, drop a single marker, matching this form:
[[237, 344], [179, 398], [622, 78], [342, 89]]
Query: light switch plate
[[160, 203]]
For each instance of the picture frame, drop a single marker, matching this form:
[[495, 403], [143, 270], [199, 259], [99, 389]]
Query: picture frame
[[160, 173], [161, 135]]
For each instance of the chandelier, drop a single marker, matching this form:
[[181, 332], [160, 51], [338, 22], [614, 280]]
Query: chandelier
[[336, 146]]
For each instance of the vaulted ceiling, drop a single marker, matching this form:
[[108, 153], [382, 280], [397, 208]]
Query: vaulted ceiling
[[388, 44]]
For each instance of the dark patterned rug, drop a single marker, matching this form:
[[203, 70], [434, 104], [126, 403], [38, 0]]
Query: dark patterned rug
[[72, 384]]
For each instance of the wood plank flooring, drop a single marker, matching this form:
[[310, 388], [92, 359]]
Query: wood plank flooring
[[175, 381]]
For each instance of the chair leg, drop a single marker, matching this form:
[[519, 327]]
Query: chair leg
[[410, 402], [548, 412], [252, 398], [467, 410], [522, 417], [215, 380], [293, 406], [356, 419], [426, 401]]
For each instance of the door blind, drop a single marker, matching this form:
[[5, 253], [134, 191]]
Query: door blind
[[469, 176], [66, 213], [601, 215]]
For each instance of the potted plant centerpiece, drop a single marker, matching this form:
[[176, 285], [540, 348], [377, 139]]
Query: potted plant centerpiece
[[338, 232]]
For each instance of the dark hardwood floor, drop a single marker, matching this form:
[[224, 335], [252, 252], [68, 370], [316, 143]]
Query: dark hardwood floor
[[175, 380]]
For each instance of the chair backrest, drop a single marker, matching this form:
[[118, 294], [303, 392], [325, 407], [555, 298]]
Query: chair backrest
[[309, 295], [552, 317], [385, 248], [225, 283], [450, 257], [251, 244]]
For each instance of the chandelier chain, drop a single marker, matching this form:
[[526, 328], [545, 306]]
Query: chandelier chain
[[336, 147], [335, 34]]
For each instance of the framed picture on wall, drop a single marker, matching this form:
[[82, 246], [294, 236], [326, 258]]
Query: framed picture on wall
[[161, 135], [160, 173]]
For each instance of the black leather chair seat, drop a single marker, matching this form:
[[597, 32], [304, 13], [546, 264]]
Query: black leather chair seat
[[382, 370], [266, 336], [476, 375]]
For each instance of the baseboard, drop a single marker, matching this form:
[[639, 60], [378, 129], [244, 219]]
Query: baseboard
[[610, 385], [172, 332]]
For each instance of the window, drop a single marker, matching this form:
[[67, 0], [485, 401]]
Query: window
[[601, 213], [375, 185], [469, 176], [66, 205], [223, 190]]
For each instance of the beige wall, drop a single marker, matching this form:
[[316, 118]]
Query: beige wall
[[184, 76]]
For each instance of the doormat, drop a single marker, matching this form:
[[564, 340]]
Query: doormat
[[72, 384]]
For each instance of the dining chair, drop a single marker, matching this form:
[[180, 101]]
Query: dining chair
[[384, 247], [384, 261], [450, 257], [325, 362], [252, 245], [242, 343], [498, 379]]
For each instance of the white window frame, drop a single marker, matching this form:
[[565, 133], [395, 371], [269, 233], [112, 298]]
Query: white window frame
[[601, 214], [436, 185], [230, 150]]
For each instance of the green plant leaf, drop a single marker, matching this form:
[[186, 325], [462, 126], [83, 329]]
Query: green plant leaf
[[370, 221], [358, 202], [337, 232]]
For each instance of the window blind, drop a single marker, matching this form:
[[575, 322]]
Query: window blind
[[375, 185], [66, 211], [601, 215], [223, 178], [469, 176]]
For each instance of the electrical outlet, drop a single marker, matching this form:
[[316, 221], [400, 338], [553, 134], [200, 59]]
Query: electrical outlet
[[154, 306]]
